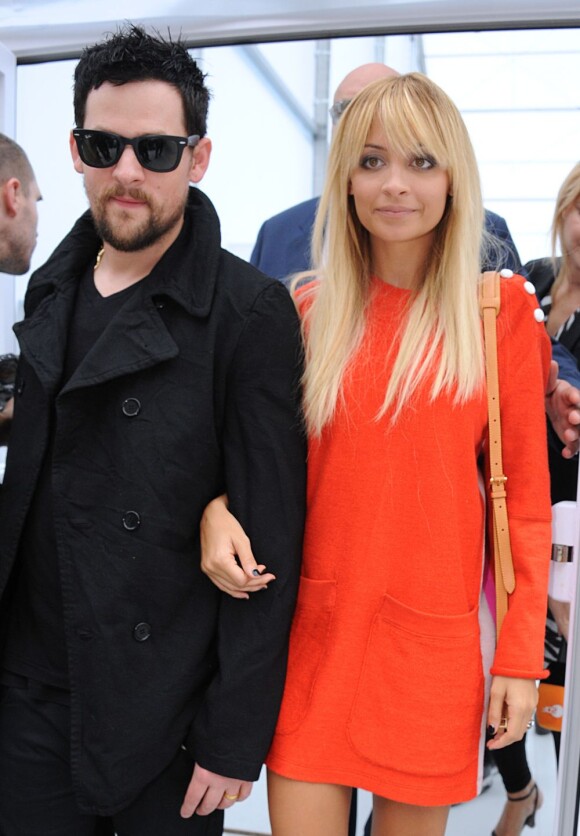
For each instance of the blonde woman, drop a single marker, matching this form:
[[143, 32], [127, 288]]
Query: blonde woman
[[386, 677]]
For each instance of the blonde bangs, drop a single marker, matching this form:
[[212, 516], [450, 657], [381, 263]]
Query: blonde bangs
[[412, 125]]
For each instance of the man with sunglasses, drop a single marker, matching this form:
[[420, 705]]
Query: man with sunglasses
[[157, 370]]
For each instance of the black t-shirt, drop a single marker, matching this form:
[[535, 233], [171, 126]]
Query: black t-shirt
[[35, 645]]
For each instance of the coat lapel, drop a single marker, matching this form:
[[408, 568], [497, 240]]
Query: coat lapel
[[42, 337], [136, 338]]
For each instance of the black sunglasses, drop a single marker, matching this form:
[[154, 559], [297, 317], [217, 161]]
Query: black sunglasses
[[157, 152]]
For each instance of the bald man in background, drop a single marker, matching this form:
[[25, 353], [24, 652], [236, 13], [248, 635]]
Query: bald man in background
[[19, 195], [283, 244]]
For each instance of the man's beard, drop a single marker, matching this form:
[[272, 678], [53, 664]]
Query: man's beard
[[129, 238]]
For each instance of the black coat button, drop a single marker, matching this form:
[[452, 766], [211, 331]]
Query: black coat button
[[131, 520], [131, 407], [141, 631]]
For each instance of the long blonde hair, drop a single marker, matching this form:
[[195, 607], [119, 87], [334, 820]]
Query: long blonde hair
[[442, 319], [568, 194]]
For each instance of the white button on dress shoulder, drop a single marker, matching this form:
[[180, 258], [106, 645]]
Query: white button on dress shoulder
[[539, 315], [506, 273], [529, 288]]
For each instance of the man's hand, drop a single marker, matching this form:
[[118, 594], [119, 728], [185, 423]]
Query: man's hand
[[563, 410], [208, 792]]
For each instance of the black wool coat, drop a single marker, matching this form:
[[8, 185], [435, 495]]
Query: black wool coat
[[192, 389]]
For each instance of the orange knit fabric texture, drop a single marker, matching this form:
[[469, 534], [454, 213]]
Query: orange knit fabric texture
[[385, 677]]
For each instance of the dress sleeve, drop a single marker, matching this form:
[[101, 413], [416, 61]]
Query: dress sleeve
[[264, 452], [524, 354]]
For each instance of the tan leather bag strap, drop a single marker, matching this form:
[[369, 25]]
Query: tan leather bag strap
[[505, 582]]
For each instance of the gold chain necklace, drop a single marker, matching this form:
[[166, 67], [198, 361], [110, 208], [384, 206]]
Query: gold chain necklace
[[99, 257]]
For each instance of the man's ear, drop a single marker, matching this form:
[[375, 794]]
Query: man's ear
[[74, 152], [200, 160], [11, 193]]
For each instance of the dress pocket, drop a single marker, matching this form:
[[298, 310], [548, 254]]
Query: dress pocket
[[419, 700], [310, 628]]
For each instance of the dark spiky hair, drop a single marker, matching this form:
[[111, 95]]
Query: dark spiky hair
[[131, 54]]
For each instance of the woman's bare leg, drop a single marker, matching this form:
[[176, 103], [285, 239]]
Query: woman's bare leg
[[298, 807], [391, 818]]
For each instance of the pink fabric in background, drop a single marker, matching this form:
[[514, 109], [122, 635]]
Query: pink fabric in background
[[489, 588]]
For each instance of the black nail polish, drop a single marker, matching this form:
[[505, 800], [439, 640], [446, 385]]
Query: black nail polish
[[256, 573], [490, 732]]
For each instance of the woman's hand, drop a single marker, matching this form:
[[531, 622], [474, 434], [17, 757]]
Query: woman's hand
[[516, 699], [226, 553]]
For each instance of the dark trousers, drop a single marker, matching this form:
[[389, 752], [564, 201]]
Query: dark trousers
[[36, 796]]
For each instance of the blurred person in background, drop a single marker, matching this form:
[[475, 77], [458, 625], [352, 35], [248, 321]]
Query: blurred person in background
[[19, 196]]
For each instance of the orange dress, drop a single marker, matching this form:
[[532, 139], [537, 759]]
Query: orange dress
[[385, 684]]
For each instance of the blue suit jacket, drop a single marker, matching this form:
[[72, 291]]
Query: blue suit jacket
[[283, 243]]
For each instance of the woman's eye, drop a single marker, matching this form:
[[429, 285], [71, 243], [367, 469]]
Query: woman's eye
[[424, 163], [371, 162]]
